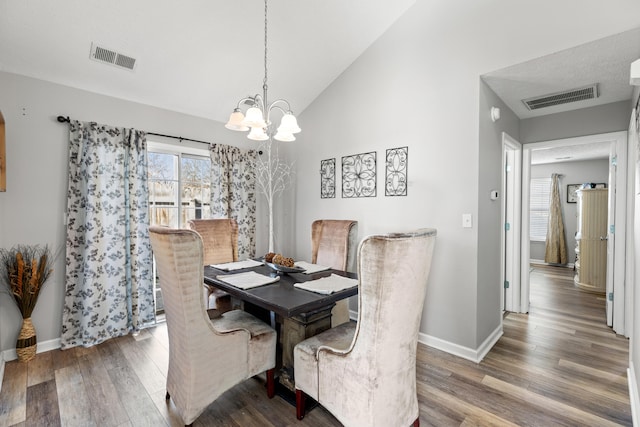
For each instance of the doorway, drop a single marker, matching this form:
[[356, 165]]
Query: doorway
[[616, 259]]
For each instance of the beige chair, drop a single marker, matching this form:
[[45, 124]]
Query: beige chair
[[220, 241], [206, 357], [365, 374], [333, 245]]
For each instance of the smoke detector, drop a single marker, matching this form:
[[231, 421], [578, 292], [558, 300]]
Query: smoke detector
[[565, 97], [110, 56]]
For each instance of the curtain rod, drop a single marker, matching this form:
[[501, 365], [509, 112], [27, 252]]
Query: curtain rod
[[63, 119]]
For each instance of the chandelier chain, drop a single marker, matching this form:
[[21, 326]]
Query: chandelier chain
[[264, 82]]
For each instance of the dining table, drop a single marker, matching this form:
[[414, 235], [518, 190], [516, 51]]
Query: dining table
[[295, 313]]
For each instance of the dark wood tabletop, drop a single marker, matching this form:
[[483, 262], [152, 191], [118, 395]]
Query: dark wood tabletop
[[282, 297]]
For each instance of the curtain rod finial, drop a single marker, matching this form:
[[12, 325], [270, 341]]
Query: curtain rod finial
[[63, 119]]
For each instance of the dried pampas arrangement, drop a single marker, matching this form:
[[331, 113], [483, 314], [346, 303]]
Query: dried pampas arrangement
[[24, 269]]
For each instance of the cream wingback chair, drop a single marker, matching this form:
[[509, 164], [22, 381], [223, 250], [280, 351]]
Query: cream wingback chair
[[365, 374], [333, 245], [206, 357], [220, 241]]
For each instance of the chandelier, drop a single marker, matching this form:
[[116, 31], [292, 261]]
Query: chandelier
[[258, 115]]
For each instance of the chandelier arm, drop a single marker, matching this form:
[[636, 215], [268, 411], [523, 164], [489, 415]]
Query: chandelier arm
[[275, 105], [243, 101]]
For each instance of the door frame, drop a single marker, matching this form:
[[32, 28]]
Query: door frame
[[510, 264], [620, 141]]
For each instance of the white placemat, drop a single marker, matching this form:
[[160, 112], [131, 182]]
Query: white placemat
[[247, 280], [310, 268], [238, 265], [328, 285]]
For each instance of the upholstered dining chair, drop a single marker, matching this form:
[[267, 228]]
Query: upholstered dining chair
[[365, 374], [333, 245], [206, 356], [220, 241]]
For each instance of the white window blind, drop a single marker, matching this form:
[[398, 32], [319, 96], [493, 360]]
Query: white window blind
[[539, 208]]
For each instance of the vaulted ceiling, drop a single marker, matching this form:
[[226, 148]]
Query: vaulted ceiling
[[196, 57], [202, 56]]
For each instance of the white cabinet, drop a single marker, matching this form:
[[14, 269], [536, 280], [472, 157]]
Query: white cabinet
[[591, 240]]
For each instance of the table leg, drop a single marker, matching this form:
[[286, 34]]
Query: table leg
[[296, 329]]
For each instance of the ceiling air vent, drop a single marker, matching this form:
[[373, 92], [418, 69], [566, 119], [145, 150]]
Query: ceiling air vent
[[102, 54], [573, 95]]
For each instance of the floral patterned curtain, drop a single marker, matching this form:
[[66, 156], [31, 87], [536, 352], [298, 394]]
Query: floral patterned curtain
[[556, 247], [109, 287], [233, 192]]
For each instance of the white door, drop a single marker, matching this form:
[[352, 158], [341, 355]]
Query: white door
[[611, 237], [617, 244], [511, 185]]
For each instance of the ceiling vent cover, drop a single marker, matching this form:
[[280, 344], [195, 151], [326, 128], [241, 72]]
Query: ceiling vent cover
[[573, 95], [102, 54]]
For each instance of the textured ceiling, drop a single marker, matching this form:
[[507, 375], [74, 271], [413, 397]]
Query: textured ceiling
[[572, 153], [605, 62]]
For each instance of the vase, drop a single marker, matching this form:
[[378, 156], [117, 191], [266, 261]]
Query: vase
[[26, 345]]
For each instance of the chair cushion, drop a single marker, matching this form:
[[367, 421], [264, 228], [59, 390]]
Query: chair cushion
[[306, 352], [262, 348]]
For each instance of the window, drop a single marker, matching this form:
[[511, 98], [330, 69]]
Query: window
[[179, 185], [179, 190], [539, 208]]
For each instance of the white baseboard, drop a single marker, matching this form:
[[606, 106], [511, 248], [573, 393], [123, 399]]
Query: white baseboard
[[541, 262], [457, 350], [633, 394], [43, 346], [465, 352]]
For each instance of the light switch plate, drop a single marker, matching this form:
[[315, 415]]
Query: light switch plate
[[466, 221]]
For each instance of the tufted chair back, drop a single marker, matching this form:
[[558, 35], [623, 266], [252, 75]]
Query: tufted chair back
[[206, 357], [219, 237], [365, 374], [333, 245], [220, 242]]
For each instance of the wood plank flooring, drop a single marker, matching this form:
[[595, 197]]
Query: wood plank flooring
[[559, 365]]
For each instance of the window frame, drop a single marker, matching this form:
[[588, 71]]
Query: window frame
[[181, 152], [537, 209]]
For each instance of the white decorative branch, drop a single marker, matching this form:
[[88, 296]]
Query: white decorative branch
[[273, 176]]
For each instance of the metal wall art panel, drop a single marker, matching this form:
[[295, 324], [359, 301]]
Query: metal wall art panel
[[328, 178], [359, 175], [396, 172]]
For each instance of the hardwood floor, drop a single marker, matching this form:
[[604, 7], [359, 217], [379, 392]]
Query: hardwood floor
[[559, 365]]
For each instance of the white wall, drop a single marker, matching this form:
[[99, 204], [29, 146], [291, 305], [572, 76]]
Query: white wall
[[31, 210], [605, 118], [418, 86], [489, 224], [595, 171]]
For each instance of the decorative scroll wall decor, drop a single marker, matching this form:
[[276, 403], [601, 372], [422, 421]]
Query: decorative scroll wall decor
[[396, 172], [359, 175], [328, 178]]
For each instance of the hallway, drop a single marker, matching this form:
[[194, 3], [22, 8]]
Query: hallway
[[558, 365]]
